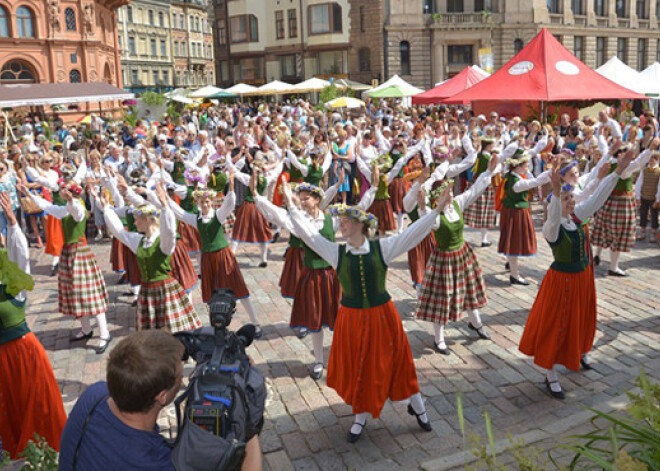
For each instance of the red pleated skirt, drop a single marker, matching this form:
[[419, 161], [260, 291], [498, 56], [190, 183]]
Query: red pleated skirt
[[190, 237], [250, 225], [117, 255], [30, 400], [220, 270], [370, 359], [418, 258], [54, 236], [293, 265], [316, 301], [382, 209], [182, 268], [562, 323], [517, 236], [133, 274], [397, 190]]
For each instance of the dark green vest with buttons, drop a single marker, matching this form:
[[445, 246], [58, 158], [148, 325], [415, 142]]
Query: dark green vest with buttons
[[449, 236], [312, 260], [482, 164], [12, 317], [73, 231], [57, 199], [363, 278], [177, 173], [153, 263], [295, 174], [570, 250], [212, 234], [382, 192], [511, 198]]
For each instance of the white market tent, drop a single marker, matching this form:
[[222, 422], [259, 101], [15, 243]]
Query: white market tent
[[476, 68], [241, 89], [621, 74], [311, 85], [397, 81], [206, 91], [275, 88], [652, 77]]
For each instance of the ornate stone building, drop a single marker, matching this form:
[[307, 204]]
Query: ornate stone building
[[192, 40], [59, 41]]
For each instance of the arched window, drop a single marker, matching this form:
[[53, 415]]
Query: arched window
[[70, 19], [151, 17], [364, 59], [17, 72], [404, 57], [4, 23], [161, 19], [74, 76], [517, 45], [24, 22], [129, 14]]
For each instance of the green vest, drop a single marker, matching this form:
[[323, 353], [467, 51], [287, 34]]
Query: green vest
[[218, 181], [449, 236], [188, 203], [395, 158], [314, 175], [414, 214], [382, 192], [482, 164], [12, 317], [624, 185], [296, 242], [362, 278], [57, 199], [312, 260], [294, 173], [570, 250], [154, 264], [130, 221], [212, 235], [262, 183], [73, 231], [177, 173], [511, 198]]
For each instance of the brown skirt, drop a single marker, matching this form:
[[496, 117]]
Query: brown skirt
[[117, 255], [316, 301], [182, 268], [250, 225], [517, 236], [220, 270], [133, 274], [382, 209], [418, 258], [190, 237], [293, 265], [397, 190]]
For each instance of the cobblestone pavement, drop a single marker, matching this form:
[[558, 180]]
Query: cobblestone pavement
[[306, 421]]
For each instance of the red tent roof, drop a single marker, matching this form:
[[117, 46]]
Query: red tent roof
[[459, 82], [544, 71]]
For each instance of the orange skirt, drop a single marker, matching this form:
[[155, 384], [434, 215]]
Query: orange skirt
[[370, 359], [54, 236], [293, 265], [278, 198], [117, 256], [562, 323], [30, 400]]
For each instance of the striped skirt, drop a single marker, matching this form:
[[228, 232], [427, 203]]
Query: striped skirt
[[165, 305], [220, 270], [251, 225], [453, 284], [382, 209], [117, 256], [614, 224], [517, 236], [481, 214], [133, 275], [81, 287], [190, 237], [316, 301], [293, 265], [182, 267], [418, 259], [397, 190]]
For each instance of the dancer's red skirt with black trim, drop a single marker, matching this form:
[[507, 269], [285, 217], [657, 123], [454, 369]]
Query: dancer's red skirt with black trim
[[192, 242], [182, 267], [293, 265], [517, 236], [133, 275], [220, 270], [251, 225], [397, 190], [117, 256], [382, 209], [418, 258], [316, 301]]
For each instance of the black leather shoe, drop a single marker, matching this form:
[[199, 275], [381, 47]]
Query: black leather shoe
[[263, 264], [596, 260], [82, 336], [258, 333], [53, 272], [518, 281], [354, 437], [481, 331], [316, 374], [104, 345], [134, 303], [122, 280], [276, 237], [486, 244], [443, 351], [555, 394], [426, 426], [619, 272], [302, 333], [585, 366], [507, 267]]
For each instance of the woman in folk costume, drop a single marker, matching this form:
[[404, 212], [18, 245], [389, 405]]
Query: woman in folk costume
[[370, 359], [453, 282], [81, 287], [312, 166], [219, 266], [189, 236], [162, 302], [561, 326], [481, 215], [398, 185], [30, 398], [614, 225], [250, 225]]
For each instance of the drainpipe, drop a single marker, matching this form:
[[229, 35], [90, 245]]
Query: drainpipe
[[385, 42], [302, 37]]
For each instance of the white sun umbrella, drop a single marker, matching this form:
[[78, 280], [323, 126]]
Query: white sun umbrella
[[241, 89], [206, 91], [651, 76], [311, 85], [345, 102], [275, 88]]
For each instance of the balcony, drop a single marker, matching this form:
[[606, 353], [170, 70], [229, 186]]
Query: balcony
[[580, 20], [556, 19], [644, 24], [463, 20], [602, 22], [624, 23]]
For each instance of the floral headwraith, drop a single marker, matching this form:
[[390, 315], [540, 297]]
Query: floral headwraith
[[193, 177], [204, 193], [437, 191], [519, 158], [384, 162], [354, 213], [309, 188], [71, 187], [147, 210]]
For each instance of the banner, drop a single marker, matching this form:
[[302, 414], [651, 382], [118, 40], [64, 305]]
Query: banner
[[486, 59]]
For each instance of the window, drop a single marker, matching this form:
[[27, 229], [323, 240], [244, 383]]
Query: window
[[454, 6], [428, 7], [331, 62], [134, 76], [244, 28], [151, 17], [183, 48], [600, 51], [166, 77], [288, 66], [248, 69], [362, 19], [576, 6], [154, 76], [293, 24], [553, 6], [620, 7], [153, 47], [175, 48], [642, 45], [279, 24], [131, 45], [4, 23], [129, 14], [17, 72], [517, 45], [578, 47], [622, 49], [222, 33], [558, 38], [196, 23], [364, 59], [640, 9], [70, 19], [161, 19], [24, 22], [163, 48], [325, 18], [599, 7], [460, 55], [74, 76], [404, 57], [657, 8], [483, 5]]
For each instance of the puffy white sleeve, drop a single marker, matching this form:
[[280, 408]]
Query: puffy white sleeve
[[364, 169], [398, 244], [529, 183], [327, 162], [76, 209], [228, 205], [116, 228], [80, 173], [426, 153], [636, 165], [49, 181], [368, 198], [552, 224], [58, 212], [18, 252], [462, 166], [274, 174], [182, 215], [410, 198], [293, 160], [470, 195], [588, 208], [274, 214], [438, 174], [242, 177], [167, 231], [540, 145], [329, 196], [327, 250]]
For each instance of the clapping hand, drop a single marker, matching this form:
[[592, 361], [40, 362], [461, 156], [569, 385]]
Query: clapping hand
[[5, 204]]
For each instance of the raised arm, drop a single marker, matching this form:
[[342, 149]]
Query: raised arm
[[293, 160], [274, 214], [167, 231], [470, 195], [529, 183], [228, 205], [182, 215], [327, 250], [58, 212], [553, 223], [410, 198], [116, 228], [593, 203], [368, 198], [398, 244], [327, 162]]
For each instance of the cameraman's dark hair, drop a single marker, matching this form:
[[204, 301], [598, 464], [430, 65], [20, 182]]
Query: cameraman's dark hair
[[141, 366]]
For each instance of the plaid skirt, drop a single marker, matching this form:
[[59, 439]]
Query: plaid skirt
[[133, 275], [81, 287], [517, 236], [117, 256], [293, 265], [397, 190], [316, 301], [182, 268], [481, 214], [251, 225], [418, 258], [165, 305], [614, 224], [190, 237], [382, 209], [453, 284], [228, 225], [220, 270]]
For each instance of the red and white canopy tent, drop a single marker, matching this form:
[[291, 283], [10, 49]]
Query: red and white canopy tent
[[544, 71], [465, 79]]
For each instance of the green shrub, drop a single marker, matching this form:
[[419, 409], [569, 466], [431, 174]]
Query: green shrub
[[153, 98]]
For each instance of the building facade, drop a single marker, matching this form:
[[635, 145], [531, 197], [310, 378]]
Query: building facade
[[59, 41], [431, 40], [192, 40]]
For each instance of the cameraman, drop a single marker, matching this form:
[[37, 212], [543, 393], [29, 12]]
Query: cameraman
[[113, 424]]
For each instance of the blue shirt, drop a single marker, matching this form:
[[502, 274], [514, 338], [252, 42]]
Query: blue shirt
[[109, 444]]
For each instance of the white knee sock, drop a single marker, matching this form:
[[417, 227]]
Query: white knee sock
[[233, 246], [551, 374], [317, 343], [599, 250], [249, 307], [190, 298], [359, 419], [417, 404], [264, 252], [399, 222], [513, 266], [440, 335], [484, 236], [136, 291], [85, 326], [475, 318], [614, 260], [56, 260], [103, 326], [418, 288]]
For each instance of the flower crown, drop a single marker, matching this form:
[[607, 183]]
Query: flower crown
[[147, 210], [354, 213], [383, 162], [568, 188], [519, 158], [440, 152], [72, 187], [309, 188], [564, 170], [436, 192], [203, 193], [192, 176]]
